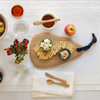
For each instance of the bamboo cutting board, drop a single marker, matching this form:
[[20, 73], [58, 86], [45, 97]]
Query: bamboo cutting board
[[54, 61]]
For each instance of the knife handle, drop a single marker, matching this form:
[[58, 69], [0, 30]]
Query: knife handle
[[53, 77]]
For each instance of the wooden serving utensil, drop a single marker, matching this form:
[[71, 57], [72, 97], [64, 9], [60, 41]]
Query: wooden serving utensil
[[38, 22], [52, 82], [53, 77]]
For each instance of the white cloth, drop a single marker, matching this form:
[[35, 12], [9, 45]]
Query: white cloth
[[40, 88]]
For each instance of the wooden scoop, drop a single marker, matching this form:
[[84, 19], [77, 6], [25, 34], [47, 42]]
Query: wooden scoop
[[38, 22], [53, 77], [52, 82]]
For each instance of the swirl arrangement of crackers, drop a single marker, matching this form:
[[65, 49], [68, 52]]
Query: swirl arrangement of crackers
[[54, 50]]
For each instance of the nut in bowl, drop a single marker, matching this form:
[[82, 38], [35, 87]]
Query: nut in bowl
[[64, 54], [46, 44]]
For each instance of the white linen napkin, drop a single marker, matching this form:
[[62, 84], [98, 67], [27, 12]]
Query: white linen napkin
[[41, 89]]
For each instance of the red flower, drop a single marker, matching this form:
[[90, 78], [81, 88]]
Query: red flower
[[15, 43], [26, 43], [9, 47], [15, 47], [25, 46], [16, 39], [27, 40], [10, 52], [5, 49], [21, 42]]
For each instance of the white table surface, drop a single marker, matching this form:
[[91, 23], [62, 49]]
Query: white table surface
[[70, 11]]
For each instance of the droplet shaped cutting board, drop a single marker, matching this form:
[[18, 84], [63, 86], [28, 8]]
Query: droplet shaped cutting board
[[54, 61]]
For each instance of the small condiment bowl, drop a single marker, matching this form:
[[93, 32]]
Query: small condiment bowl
[[67, 57], [17, 11], [46, 49], [48, 16]]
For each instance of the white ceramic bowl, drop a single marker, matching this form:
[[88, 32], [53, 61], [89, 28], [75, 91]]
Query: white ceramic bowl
[[53, 25], [3, 19]]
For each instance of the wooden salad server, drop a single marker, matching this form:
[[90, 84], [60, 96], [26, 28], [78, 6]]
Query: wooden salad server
[[38, 22], [52, 82], [53, 77]]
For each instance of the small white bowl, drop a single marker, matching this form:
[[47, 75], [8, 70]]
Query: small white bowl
[[3, 19], [54, 23]]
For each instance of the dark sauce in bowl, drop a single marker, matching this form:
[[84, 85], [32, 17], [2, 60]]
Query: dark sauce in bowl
[[48, 24], [1, 20], [1, 75]]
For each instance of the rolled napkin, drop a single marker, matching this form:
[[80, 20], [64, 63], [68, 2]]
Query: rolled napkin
[[40, 88]]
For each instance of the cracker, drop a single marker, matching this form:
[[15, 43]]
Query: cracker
[[36, 47], [59, 45], [72, 48], [47, 56], [69, 46], [68, 43], [54, 50], [51, 54], [38, 54], [64, 45]]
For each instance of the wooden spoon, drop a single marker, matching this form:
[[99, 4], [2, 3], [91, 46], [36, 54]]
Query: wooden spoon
[[53, 77], [52, 82], [38, 22]]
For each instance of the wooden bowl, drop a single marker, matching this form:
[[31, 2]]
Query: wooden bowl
[[2, 19]]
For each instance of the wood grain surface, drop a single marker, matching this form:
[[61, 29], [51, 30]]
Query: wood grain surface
[[54, 61]]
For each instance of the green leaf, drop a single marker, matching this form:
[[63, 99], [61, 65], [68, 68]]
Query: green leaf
[[24, 40]]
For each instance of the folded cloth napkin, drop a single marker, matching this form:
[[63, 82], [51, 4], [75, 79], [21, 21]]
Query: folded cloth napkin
[[40, 88]]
